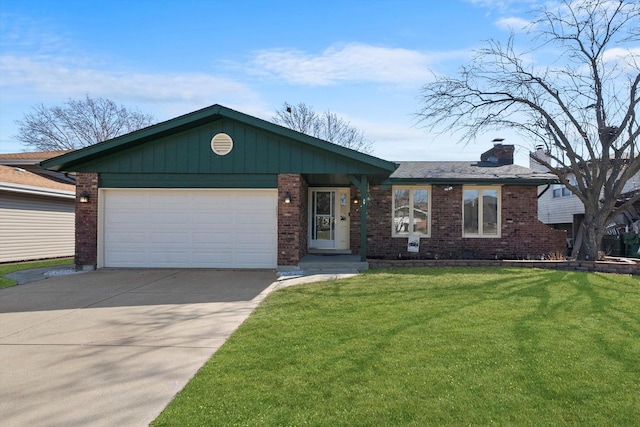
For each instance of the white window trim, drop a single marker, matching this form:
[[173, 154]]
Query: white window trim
[[480, 235], [393, 209]]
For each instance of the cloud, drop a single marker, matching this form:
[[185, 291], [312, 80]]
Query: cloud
[[503, 5], [353, 62], [626, 60], [513, 24], [619, 53], [65, 78]]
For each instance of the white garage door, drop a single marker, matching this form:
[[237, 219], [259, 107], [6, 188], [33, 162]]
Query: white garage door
[[190, 228]]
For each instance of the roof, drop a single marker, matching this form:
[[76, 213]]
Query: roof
[[20, 180], [468, 172], [75, 160], [29, 157]]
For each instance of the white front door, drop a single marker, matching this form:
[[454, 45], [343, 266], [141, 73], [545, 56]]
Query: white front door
[[329, 218]]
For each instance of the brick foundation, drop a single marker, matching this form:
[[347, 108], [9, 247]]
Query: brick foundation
[[86, 221], [614, 267], [523, 236], [292, 219]]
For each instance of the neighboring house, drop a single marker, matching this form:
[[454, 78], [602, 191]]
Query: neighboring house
[[560, 209], [36, 209], [220, 189]]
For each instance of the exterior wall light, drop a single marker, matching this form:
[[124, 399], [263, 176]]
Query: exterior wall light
[[84, 197], [355, 200], [287, 198]]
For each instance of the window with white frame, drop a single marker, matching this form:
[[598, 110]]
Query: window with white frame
[[411, 211], [481, 211], [560, 190]]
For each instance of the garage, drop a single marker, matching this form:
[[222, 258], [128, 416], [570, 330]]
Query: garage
[[189, 228]]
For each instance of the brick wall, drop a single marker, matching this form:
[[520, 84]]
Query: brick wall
[[354, 221], [502, 153], [86, 221], [292, 219], [616, 267], [523, 236]]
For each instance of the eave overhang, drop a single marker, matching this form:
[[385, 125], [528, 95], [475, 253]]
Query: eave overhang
[[38, 191]]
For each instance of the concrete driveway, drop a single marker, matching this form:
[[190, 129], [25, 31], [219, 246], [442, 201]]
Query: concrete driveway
[[112, 347]]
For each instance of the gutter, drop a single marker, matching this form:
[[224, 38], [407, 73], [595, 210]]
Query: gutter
[[39, 191]]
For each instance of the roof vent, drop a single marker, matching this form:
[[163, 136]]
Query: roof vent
[[221, 144]]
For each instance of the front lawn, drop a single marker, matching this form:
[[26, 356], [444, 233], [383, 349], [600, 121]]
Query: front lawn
[[436, 346], [10, 268]]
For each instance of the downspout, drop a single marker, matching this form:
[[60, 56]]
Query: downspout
[[544, 191]]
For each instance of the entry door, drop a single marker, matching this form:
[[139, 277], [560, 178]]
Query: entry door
[[329, 222]]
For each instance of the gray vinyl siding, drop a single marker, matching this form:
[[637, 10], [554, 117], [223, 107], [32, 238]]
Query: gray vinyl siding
[[558, 210], [35, 227], [562, 209]]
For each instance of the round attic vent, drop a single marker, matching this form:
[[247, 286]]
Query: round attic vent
[[221, 144]]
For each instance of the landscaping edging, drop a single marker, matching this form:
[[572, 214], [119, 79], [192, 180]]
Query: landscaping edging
[[619, 267]]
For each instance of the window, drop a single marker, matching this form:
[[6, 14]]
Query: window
[[411, 211], [560, 190], [481, 211]]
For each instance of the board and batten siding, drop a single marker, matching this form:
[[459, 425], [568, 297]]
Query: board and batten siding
[[35, 227]]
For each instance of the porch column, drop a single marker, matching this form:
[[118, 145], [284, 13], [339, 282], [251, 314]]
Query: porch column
[[362, 186], [86, 221], [292, 219]]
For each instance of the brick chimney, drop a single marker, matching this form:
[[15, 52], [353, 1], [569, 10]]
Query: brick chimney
[[500, 154]]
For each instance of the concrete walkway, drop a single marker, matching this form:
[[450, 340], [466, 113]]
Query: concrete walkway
[[113, 346]]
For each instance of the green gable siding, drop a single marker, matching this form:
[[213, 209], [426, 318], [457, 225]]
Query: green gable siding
[[255, 151], [177, 154]]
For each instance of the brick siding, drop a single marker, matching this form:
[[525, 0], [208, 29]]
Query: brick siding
[[86, 221], [354, 223], [292, 219], [522, 235]]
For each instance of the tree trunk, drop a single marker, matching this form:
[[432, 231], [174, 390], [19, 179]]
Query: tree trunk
[[592, 235]]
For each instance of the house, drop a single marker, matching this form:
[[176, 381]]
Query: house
[[217, 188], [36, 209], [560, 209]]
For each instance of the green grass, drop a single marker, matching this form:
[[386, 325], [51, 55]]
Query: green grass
[[10, 268], [438, 346]]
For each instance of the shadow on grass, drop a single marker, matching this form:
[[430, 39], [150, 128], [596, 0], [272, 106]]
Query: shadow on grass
[[559, 330], [429, 346]]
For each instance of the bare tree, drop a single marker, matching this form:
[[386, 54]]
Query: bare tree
[[78, 123], [327, 126], [583, 108]]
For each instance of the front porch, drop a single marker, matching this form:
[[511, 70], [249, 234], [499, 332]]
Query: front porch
[[322, 222], [332, 263]]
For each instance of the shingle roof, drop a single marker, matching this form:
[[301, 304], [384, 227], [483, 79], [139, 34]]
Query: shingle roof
[[12, 175], [35, 156], [468, 172]]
